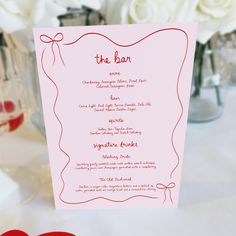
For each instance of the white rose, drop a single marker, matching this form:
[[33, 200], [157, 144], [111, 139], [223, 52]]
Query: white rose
[[215, 16], [147, 11], [185, 10], [112, 10], [139, 11], [18, 15]]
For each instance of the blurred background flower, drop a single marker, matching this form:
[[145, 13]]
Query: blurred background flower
[[19, 15], [215, 16], [147, 11]]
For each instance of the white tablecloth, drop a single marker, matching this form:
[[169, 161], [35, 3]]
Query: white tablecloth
[[207, 198]]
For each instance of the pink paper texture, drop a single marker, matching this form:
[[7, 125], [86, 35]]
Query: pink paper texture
[[115, 102]]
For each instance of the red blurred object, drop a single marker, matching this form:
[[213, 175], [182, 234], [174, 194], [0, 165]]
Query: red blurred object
[[7, 106], [16, 122], [15, 233], [21, 233], [57, 234]]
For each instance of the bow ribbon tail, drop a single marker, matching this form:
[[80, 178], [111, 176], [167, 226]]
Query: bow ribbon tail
[[59, 50], [53, 53], [170, 196], [164, 195]]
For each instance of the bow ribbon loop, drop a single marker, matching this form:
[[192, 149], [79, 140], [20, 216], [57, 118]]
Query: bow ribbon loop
[[56, 39], [166, 188], [53, 41]]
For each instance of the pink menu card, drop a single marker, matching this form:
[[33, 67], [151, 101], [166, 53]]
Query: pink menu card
[[115, 101]]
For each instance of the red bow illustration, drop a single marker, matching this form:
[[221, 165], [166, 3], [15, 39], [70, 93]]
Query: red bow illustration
[[166, 187], [54, 41]]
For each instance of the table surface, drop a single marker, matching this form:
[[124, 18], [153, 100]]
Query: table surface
[[207, 198]]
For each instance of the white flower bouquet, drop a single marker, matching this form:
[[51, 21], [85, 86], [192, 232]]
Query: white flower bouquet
[[212, 15]]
